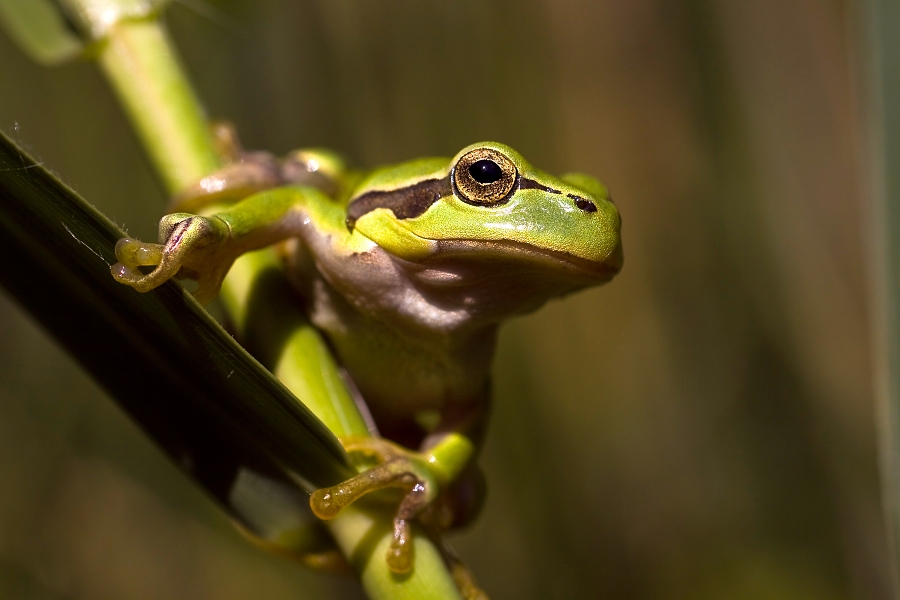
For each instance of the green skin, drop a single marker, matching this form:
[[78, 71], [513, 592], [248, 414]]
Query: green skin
[[410, 290]]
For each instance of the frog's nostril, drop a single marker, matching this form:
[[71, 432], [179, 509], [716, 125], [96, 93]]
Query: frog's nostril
[[585, 205]]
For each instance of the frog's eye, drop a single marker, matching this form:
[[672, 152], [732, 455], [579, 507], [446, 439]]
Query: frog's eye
[[484, 177]]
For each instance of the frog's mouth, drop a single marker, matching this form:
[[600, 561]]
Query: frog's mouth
[[505, 253]]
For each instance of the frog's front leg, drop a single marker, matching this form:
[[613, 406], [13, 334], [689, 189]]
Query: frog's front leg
[[398, 468], [422, 475], [204, 248]]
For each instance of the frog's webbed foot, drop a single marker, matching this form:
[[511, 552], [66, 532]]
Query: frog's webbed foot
[[398, 468], [190, 246]]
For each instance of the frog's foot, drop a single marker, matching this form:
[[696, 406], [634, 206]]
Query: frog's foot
[[190, 246], [398, 468]]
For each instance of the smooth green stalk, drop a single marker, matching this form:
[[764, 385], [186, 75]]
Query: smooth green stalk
[[364, 537], [301, 360], [142, 66], [265, 314]]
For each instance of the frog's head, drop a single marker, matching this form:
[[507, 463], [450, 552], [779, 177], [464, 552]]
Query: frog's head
[[489, 210]]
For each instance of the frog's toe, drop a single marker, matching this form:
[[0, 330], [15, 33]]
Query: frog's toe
[[401, 469], [125, 274], [326, 503], [135, 253], [188, 241], [400, 552]]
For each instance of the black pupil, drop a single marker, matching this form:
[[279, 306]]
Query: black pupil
[[485, 171]]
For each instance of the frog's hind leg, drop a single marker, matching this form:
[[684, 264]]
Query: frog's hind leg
[[253, 172], [244, 173]]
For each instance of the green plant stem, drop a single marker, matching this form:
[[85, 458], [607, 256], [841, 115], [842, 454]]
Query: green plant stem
[[143, 68], [141, 65], [265, 314], [364, 536]]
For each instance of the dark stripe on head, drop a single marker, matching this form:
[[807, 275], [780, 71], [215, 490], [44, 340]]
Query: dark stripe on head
[[531, 184], [412, 201], [406, 203], [584, 204]]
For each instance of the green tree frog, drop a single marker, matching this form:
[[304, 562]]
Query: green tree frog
[[408, 270]]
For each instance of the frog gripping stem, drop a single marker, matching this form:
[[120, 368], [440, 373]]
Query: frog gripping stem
[[397, 471], [190, 246]]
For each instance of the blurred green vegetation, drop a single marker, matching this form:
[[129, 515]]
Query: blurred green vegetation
[[702, 427]]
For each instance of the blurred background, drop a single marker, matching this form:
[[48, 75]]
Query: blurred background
[[702, 427]]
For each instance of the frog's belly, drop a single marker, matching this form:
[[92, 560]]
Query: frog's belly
[[404, 351], [407, 389], [405, 379], [410, 394]]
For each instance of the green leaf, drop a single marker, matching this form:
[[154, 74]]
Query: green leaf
[[41, 30], [212, 407], [56, 31]]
